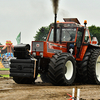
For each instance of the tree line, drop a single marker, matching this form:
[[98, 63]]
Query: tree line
[[95, 32], [42, 33]]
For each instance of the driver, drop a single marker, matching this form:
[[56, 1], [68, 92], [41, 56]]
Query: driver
[[72, 37], [65, 36]]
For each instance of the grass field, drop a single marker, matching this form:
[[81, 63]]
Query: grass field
[[7, 76], [4, 69]]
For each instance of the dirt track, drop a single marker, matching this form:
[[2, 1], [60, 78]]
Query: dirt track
[[9, 90], [4, 72]]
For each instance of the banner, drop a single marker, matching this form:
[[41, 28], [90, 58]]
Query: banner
[[18, 39]]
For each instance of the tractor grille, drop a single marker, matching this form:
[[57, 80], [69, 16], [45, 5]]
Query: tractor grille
[[37, 46]]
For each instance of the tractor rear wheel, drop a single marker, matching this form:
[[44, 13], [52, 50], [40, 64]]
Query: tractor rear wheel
[[51, 69], [94, 67], [65, 69], [21, 80], [82, 75]]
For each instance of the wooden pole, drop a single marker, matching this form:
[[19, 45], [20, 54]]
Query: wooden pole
[[34, 68], [75, 95]]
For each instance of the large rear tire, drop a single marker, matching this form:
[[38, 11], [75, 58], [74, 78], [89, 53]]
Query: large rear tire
[[65, 69], [22, 80], [82, 67], [94, 67]]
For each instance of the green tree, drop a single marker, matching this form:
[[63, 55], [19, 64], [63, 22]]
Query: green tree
[[0, 44], [1, 47], [95, 31], [42, 33]]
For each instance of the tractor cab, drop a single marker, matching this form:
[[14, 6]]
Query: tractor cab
[[71, 35]]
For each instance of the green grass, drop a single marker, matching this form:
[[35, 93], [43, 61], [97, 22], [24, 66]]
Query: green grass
[[7, 76], [3, 69]]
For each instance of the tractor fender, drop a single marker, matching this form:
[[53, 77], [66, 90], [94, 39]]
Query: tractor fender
[[94, 46]]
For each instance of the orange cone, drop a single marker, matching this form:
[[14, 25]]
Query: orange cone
[[69, 96]]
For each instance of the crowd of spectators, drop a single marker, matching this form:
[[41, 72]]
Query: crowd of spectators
[[6, 57]]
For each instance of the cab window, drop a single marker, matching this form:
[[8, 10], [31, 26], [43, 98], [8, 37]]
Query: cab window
[[79, 37], [68, 34], [52, 35]]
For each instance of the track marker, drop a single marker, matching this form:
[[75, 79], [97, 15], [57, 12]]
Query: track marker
[[75, 94]]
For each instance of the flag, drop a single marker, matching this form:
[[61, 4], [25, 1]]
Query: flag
[[18, 39]]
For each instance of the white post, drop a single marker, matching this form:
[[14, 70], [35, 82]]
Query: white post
[[73, 92], [78, 94]]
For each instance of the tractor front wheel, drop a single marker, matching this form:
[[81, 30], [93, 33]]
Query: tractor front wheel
[[51, 69], [65, 69]]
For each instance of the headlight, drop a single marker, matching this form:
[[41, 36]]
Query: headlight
[[34, 54], [41, 54]]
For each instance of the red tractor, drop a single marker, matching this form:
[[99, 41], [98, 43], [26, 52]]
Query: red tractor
[[67, 55]]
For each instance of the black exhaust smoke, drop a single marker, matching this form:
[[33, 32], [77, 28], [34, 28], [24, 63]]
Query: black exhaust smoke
[[55, 5], [55, 8]]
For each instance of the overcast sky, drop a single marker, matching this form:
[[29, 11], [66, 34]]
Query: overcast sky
[[27, 16]]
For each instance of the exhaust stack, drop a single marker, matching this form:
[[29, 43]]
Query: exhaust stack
[[55, 8], [55, 28]]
